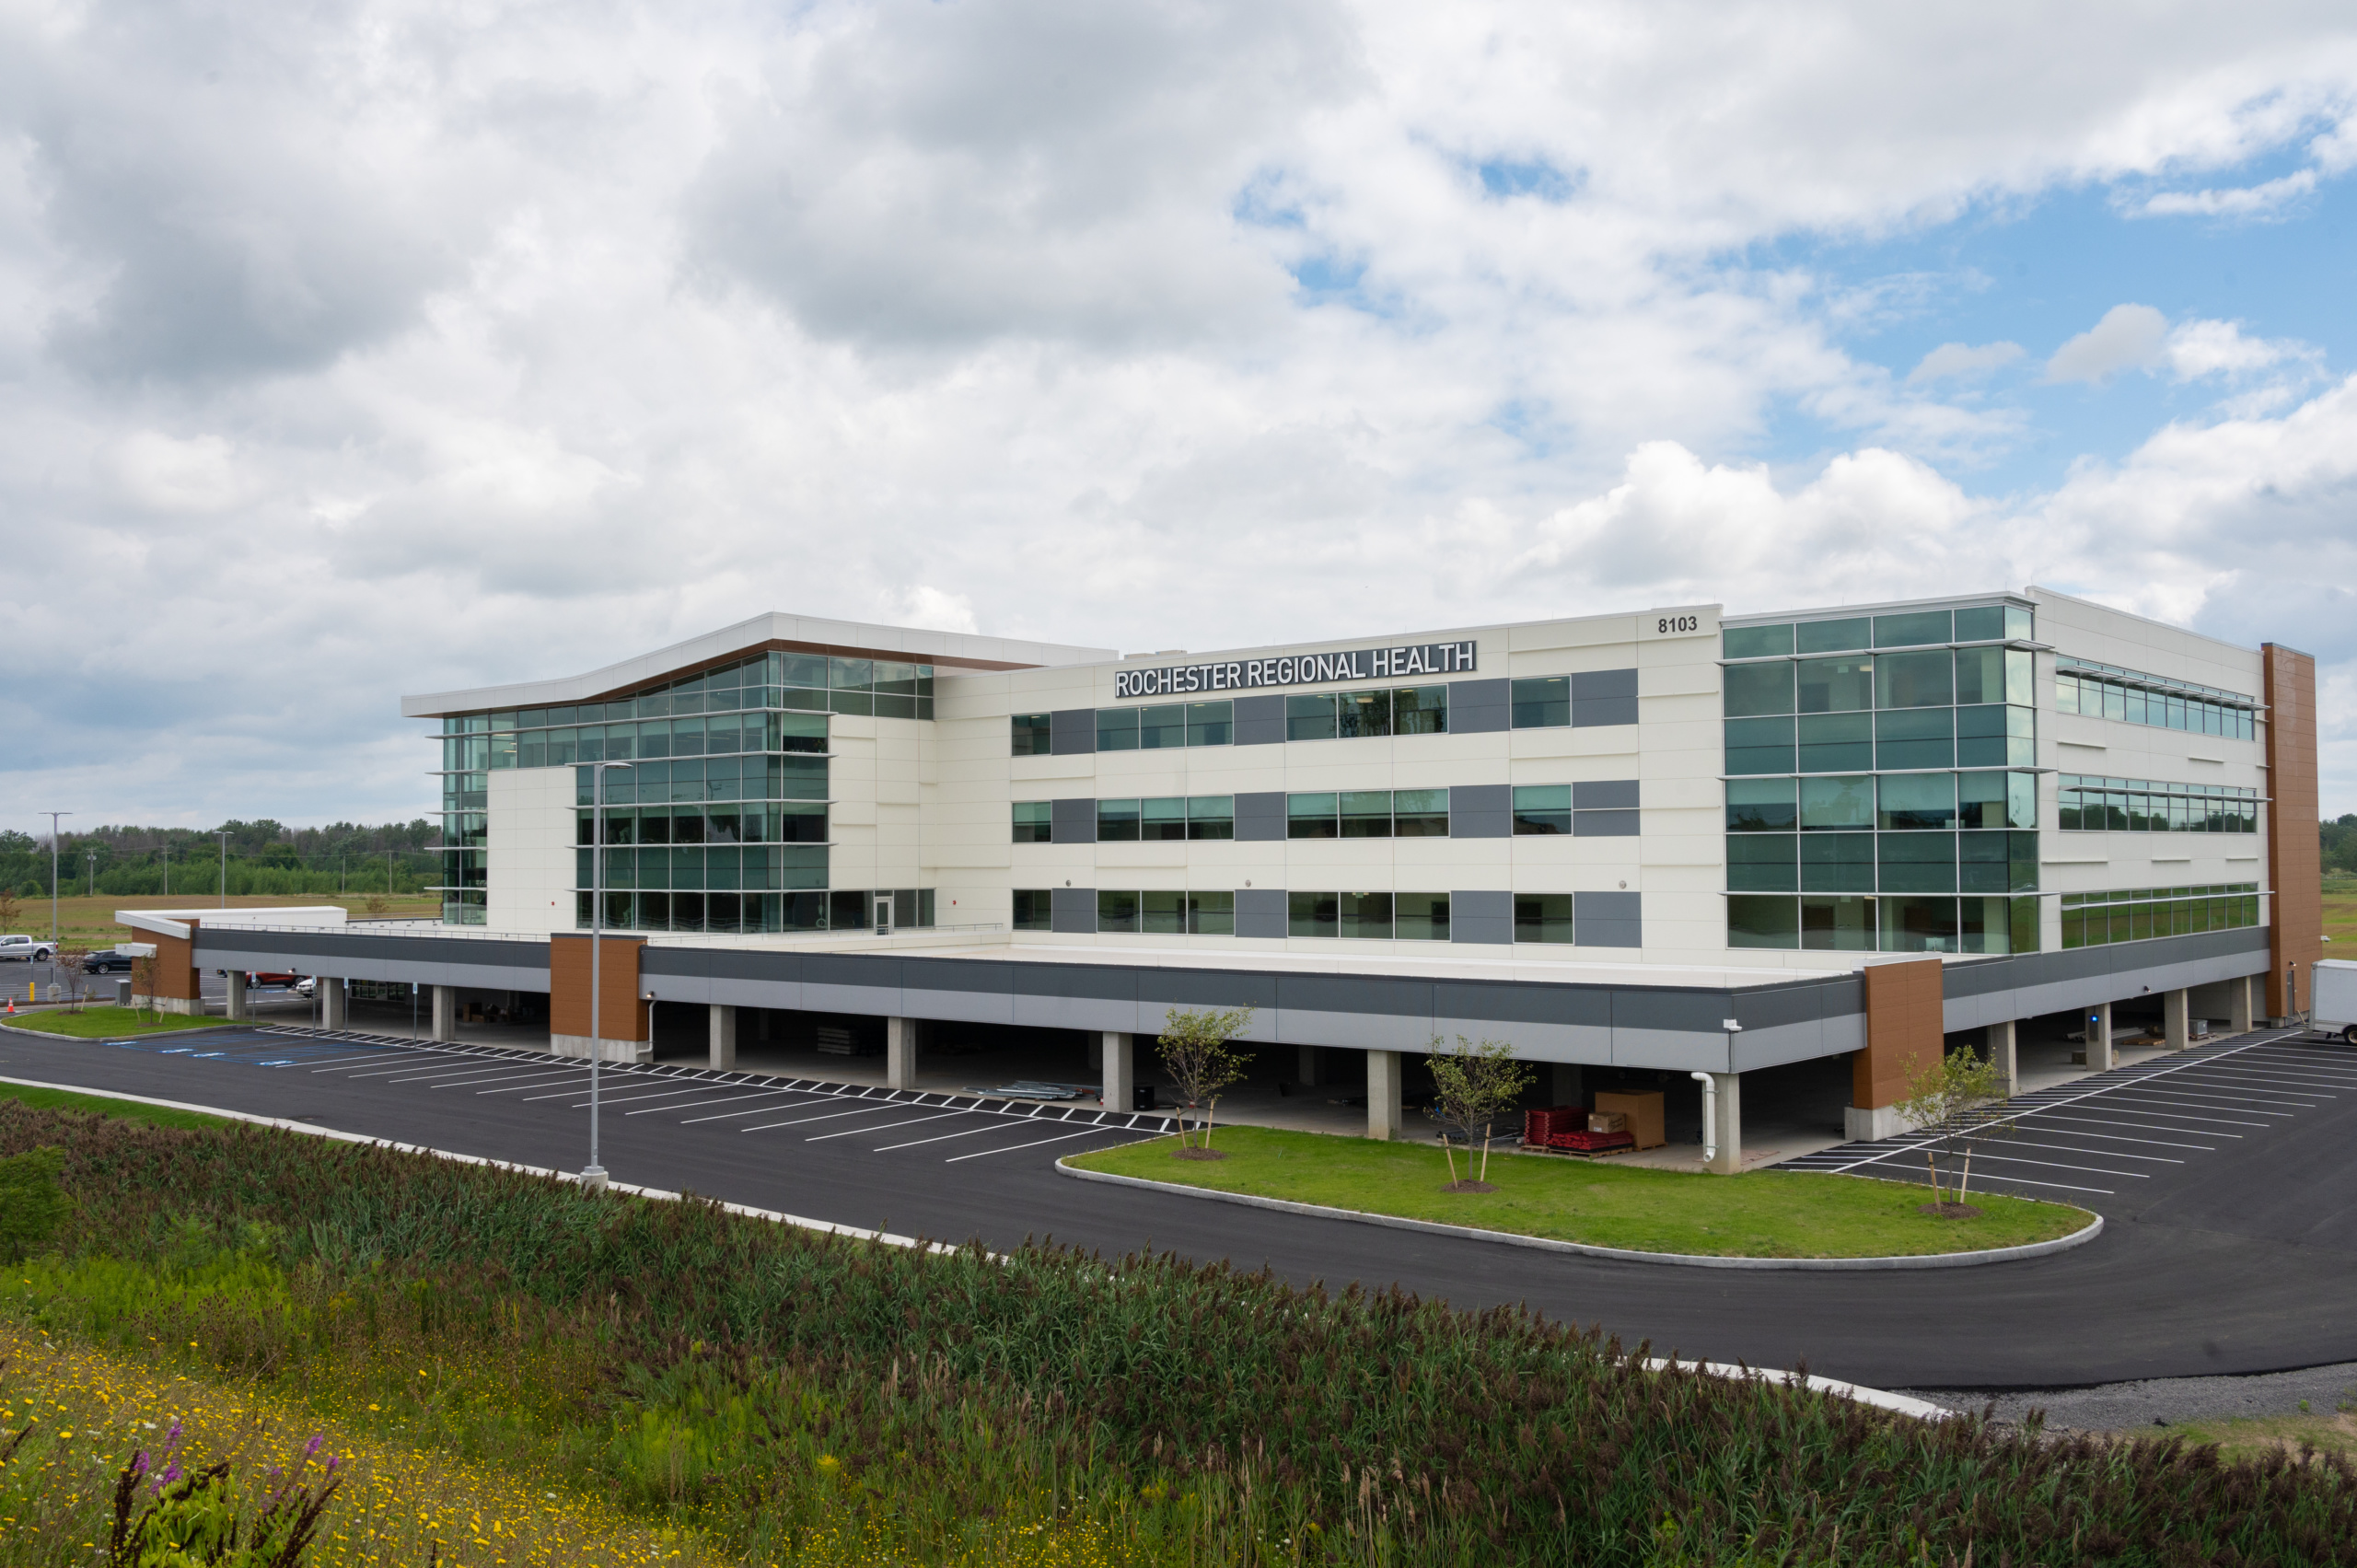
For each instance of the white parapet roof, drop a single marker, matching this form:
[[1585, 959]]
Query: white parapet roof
[[179, 922], [851, 639]]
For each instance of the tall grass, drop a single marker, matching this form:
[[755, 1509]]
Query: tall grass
[[760, 1379]]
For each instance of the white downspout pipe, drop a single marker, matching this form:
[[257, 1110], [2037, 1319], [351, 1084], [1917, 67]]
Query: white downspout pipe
[[1710, 1115]]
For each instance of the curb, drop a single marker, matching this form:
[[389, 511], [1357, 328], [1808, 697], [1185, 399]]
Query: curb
[[2079, 1237]]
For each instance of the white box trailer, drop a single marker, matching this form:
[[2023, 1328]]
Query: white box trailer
[[2333, 998]]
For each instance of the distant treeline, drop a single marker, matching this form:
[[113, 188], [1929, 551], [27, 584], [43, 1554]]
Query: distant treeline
[[2340, 844], [264, 857]]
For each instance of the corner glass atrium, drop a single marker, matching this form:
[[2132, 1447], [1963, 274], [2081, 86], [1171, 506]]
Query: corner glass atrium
[[719, 821]]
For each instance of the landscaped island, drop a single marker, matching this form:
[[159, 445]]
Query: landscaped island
[[1763, 1214]]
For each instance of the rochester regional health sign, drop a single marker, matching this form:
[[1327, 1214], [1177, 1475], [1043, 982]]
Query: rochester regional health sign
[[1298, 669]]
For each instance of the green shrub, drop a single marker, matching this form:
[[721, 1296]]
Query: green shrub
[[33, 1206]]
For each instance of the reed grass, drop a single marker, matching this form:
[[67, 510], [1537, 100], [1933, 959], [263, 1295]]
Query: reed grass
[[778, 1389]]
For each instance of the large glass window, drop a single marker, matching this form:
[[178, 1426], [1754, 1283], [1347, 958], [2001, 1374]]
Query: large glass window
[[1310, 718], [1162, 817], [1919, 926], [1031, 735], [1210, 724], [1755, 642], [1211, 817], [1313, 914], [1916, 801], [1542, 917], [1760, 746], [1210, 914], [1913, 628], [1838, 863], [1755, 689], [1420, 813], [2132, 697], [1420, 709], [1838, 925], [1422, 917], [1116, 911], [1363, 714], [1762, 805], [1033, 823], [1116, 729], [1765, 863], [1837, 743], [1365, 915], [1162, 728], [1544, 702], [1117, 821], [1313, 816], [1542, 809], [1756, 922], [1162, 913], [1918, 738], [1836, 685], [1913, 680], [1366, 814], [1916, 863], [1034, 909], [1843, 636], [1838, 803]]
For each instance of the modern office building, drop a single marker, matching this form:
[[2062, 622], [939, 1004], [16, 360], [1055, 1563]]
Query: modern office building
[[1673, 840]]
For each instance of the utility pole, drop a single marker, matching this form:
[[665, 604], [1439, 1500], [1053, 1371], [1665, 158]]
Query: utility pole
[[92, 857], [224, 869], [52, 817]]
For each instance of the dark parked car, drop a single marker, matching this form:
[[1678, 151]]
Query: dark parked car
[[106, 960]]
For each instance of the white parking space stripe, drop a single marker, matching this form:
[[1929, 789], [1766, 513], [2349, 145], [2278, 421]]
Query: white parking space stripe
[[2156, 1097], [1980, 1149], [731, 1100], [863, 1132], [658, 1094], [806, 1121], [943, 1137], [531, 1081], [757, 1110], [474, 1074], [2058, 1164], [986, 1154], [2116, 1138]]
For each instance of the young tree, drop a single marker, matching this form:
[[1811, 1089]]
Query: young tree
[[143, 982], [1940, 1096], [70, 963], [1201, 1061], [1471, 1084], [11, 911]]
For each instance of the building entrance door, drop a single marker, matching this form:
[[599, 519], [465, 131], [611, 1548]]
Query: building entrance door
[[884, 915]]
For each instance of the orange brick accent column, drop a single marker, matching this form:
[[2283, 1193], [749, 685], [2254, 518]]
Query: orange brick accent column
[[621, 1014], [2294, 869], [1903, 1031], [176, 977]]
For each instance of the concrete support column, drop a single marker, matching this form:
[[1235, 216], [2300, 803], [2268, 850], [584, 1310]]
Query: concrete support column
[[2176, 1019], [724, 1037], [446, 1012], [2003, 1052], [335, 1002], [1564, 1084], [1308, 1067], [900, 1054], [1383, 1093], [1727, 1123], [2238, 1005], [2098, 1022], [236, 1009], [1117, 1054]]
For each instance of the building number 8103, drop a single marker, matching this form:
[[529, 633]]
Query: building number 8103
[[1680, 623]]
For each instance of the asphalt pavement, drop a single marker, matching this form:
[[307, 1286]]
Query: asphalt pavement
[[2235, 1257]]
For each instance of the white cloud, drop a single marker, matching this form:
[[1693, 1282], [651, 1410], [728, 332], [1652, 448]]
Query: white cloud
[[2219, 348], [1963, 362], [2129, 337], [2243, 201]]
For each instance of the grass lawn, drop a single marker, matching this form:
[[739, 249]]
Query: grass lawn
[[1762, 1214], [105, 1023], [100, 1104], [2341, 916], [2328, 1432]]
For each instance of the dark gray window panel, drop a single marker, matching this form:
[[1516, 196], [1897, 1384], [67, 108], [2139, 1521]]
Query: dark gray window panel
[[1608, 920], [1259, 817], [1603, 697], [1072, 909], [1599, 793], [1259, 911], [1480, 811], [1072, 822], [1605, 824], [1073, 731], [1481, 917], [1601, 684], [1476, 707], [1260, 721]]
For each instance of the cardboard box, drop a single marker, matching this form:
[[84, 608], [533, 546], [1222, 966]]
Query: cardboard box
[[1607, 1122], [1644, 1113]]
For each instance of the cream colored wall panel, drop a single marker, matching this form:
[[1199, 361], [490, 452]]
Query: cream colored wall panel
[[1698, 792], [1583, 630], [896, 791], [1490, 745], [1164, 853], [1539, 663], [1445, 775], [1026, 770], [848, 812], [1679, 682]]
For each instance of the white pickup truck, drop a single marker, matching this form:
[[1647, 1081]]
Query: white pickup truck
[[2333, 998], [30, 949]]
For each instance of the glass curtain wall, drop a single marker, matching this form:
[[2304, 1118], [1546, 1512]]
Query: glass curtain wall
[[1880, 796]]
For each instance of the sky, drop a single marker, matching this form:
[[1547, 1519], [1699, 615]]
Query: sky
[[349, 349]]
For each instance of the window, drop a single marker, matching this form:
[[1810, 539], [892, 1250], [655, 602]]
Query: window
[[1916, 863], [1211, 817], [1032, 821], [1420, 813], [1117, 821], [1837, 862], [1838, 925], [1310, 718], [1755, 642], [1920, 738], [1365, 917], [1313, 914], [1314, 816], [1421, 917], [1117, 913], [1162, 728], [1542, 917], [1363, 714], [1542, 809], [1836, 743], [1914, 680], [1766, 863], [1210, 914], [1162, 913], [1163, 818], [1837, 803], [1916, 801], [1760, 746], [1997, 800], [1210, 724], [1116, 729], [2131, 697], [1542, 704], [1031, 735], [1913, 628], [1762, 805], [1919, 926], [1755, 922], [1366, 814], [2097, 805], [1752, 689], [1420, 709], [1834, 636], [1836, 685], [2002, 737]]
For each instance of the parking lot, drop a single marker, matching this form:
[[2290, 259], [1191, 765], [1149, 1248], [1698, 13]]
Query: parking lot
[[2134, 1132]]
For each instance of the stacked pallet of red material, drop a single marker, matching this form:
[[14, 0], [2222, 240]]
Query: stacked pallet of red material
[[1539, 1126], [1583, 1141]]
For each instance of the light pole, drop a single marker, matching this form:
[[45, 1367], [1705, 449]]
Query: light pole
[[593, 1174], [92, 857], [52, 817], [224, 869]]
